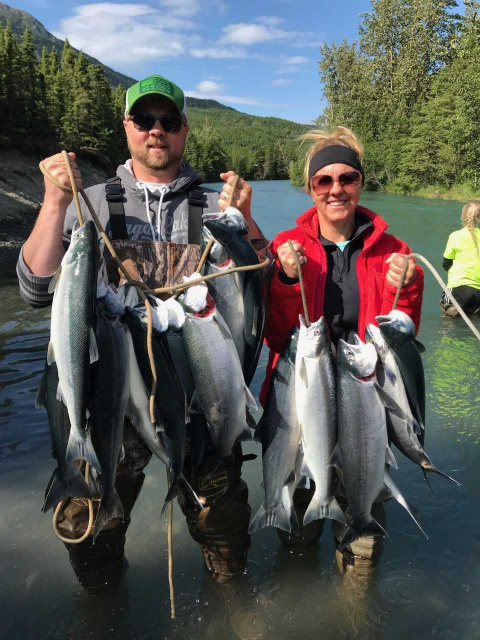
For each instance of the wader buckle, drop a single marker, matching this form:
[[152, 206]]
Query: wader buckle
[[114, 192]]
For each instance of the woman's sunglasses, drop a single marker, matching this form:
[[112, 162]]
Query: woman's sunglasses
[[323, 184], [146, 122]]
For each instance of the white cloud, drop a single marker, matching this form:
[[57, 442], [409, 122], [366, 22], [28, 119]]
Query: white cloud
[[247, 34], [126, 33], [219, 52], [115, 11], [130, 34], [208, 86], [281, 82]]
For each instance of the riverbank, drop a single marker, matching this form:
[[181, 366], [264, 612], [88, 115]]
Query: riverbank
[[21, 195], [459, 193]]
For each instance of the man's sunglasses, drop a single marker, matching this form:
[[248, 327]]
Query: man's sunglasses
[[146, 122], [323, 184]]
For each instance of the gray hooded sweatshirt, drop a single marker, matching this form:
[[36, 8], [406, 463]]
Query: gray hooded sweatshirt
[[155, 212]]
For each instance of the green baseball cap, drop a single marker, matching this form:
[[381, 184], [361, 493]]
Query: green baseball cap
[[156, 86]]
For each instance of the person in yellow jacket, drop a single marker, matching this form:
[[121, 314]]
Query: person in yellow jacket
[[461, 259]]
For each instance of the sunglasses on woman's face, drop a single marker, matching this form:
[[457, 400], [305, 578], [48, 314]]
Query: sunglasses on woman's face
[[323, 184], [146, 122]]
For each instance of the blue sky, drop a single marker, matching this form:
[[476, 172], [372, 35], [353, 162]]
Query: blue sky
[[257, 57]]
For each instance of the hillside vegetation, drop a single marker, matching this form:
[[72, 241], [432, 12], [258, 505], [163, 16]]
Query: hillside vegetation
[[409, 87], [51, 100]]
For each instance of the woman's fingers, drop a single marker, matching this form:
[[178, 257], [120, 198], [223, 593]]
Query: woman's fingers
[[396, 264], [287, 258]]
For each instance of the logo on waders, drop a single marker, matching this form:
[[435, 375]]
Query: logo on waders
[[215, 485]]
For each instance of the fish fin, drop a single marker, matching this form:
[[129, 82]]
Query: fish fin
[[72, 486], [178, 486], [390, 458], [417, 429], [82, 450], [387, 400], [303, 373], [317, 511], [55, 278], [107, 510], [433, 469], [420, 346], [92, 346], [352, 533], [277, 517], [336, 459], [389, 483], [95, 481], [50, 353], [251, 402], [419, 417], [427, 480], [290, 508], [41, 397], [60, 397]]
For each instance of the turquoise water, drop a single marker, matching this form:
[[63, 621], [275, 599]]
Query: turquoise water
[[423, 588]]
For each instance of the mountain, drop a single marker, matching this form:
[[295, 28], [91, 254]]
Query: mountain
[[21, 20]]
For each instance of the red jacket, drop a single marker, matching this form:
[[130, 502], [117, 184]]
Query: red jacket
[[376, 295]]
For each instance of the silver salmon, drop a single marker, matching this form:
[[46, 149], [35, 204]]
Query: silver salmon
[[280, 435], [402, 427], [220, 388], [315, 397], [72, 343], [362, 450], [107, 412]]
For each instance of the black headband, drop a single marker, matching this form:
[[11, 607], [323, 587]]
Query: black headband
[[333, 154]]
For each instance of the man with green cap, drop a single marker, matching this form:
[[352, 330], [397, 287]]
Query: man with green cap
[[152, 210]]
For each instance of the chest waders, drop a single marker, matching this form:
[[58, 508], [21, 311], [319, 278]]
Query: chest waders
[[221, 528]]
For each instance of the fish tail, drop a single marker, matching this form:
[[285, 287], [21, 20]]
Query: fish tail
[[433, 469], [318, 511], [180, 485], [277, 517], [59, 489], [425, 477], [355, 533], [82, 450], [108, 510]]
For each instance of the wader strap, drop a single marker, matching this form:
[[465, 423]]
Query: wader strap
[[114, 196], [195, 211]]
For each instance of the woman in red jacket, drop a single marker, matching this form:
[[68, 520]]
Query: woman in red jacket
[[351, 270]]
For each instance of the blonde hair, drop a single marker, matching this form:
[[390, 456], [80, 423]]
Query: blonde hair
[[340, 136], [470, 218]]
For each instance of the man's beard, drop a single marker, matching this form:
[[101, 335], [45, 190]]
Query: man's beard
[[167, 159]]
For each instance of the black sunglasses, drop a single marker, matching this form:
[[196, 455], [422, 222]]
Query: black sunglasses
[[322, 184], [146, 122]]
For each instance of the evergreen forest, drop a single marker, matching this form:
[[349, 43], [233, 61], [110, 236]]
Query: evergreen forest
[[409, 87], [62, 101]]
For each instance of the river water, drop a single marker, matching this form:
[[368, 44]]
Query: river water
[[423, 588]]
